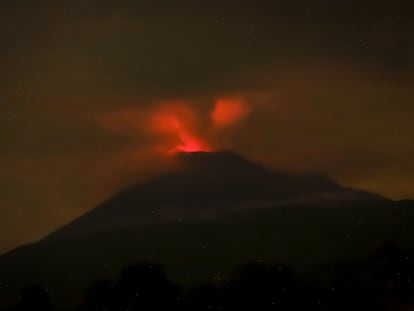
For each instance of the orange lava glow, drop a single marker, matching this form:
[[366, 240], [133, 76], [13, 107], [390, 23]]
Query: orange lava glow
[[229, 111], [177, 126]]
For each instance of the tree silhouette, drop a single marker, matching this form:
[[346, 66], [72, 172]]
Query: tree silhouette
[[34, 298], [145, 287], [257, 287], [206, 297], [99, 297], [383, 282]]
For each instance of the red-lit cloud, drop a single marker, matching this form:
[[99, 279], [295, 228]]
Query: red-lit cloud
[[177, 124], [229, 111], [170, 127]]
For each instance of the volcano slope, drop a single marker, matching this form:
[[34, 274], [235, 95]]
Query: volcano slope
[[213, 213]]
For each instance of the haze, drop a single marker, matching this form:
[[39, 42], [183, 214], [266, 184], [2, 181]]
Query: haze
[[96, 95]]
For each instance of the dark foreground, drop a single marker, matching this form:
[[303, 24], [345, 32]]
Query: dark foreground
[[385, 281]]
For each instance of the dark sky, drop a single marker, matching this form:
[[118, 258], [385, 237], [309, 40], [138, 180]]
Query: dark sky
[[329, 87]]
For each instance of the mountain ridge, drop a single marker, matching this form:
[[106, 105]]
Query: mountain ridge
[[206, 185], [215, 210]]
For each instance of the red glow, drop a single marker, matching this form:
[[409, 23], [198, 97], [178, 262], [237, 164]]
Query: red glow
[[177, 125], [228, 111]]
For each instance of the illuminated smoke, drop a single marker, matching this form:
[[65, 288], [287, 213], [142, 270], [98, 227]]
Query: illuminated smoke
[[171, 127], [229, 111], [177, 125]]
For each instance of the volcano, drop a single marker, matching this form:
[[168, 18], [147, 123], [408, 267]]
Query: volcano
[[213, 212], [206, 185]]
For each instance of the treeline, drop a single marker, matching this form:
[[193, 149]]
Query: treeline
[[383, 282]]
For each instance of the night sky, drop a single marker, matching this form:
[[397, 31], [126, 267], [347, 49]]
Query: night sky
[[316, 86]]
